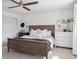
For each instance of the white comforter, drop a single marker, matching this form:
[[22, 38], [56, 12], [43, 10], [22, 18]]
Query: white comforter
[[50, 39]]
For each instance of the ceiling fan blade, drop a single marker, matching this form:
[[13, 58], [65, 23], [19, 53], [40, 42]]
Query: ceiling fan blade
[[14, 1], [26, 8], [20, 2], [13, 6], [31, 3]]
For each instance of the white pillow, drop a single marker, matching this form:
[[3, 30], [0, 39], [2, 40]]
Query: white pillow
[[49, 33], [32, 33], [43, 33], [40, 33], [46, 34], [35, 33]]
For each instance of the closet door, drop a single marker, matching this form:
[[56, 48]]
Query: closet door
[[75, 32], [9, 28]]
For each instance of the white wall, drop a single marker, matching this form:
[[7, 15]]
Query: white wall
[[9, 28], [46, 17], [75, 31], [10, 14]]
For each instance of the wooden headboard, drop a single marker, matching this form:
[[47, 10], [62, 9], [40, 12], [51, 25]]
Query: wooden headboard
[[48, 27]]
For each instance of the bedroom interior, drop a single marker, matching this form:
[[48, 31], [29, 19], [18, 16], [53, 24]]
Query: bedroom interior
[[39, 29]]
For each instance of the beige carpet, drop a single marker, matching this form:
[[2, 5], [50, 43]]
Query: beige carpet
[[58, 53]]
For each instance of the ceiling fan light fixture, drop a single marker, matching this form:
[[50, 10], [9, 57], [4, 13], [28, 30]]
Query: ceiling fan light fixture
[[21, 3]]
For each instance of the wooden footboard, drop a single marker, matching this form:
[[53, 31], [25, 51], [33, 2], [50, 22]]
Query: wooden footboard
[[28, 46]]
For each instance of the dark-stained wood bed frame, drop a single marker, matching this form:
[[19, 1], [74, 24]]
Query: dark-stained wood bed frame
[[31, 46]]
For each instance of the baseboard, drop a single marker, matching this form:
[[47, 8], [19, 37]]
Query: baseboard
[[74, 52], [64, 47]]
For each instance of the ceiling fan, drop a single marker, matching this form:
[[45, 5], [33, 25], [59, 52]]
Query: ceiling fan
[[23, 4]]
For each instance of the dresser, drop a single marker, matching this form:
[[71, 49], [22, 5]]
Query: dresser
[[64, 39]]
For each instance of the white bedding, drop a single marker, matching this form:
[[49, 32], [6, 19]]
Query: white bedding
[[50, 39]]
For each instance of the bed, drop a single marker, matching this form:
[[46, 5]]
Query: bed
[[34, 45]]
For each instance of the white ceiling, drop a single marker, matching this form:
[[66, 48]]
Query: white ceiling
[[42, 5]]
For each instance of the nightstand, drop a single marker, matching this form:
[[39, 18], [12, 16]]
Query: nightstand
[[64, 39], [22, 34]]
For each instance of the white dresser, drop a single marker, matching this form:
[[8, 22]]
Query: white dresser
[[64, 39]]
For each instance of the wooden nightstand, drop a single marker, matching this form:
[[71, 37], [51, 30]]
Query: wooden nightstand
[[23, 33]]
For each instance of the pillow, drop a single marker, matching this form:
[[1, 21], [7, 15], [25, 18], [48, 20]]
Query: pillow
[[32, 33], [43, 33], [35, 33], [40, 33], [48, 33]]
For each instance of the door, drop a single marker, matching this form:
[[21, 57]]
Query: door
[[9, 28]]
